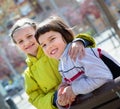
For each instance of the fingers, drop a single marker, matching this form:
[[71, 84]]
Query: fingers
[[60, 91], [81, 52], [74, 55], [62, 101], [66, 97], [73, 51], [66, 101], [76, 50]]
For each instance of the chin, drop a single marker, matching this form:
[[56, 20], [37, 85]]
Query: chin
[[55, 57]]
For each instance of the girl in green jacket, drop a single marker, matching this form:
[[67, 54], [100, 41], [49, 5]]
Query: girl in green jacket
[[41, 76]]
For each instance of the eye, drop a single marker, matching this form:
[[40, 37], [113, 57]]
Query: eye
[[29, 36], [20, 42], [52, 39], [43, 45]]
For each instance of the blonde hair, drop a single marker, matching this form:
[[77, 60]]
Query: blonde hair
[[20, 23]]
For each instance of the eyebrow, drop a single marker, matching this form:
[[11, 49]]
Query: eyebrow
[[48, 39]]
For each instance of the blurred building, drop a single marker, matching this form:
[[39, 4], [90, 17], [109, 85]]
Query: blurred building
[[11, 10], [75, 12], [84, 15]]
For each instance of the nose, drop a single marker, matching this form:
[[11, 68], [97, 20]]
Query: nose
[[26, 42], [49, 47]]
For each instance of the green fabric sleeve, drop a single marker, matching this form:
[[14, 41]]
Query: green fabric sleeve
[[89, 40]]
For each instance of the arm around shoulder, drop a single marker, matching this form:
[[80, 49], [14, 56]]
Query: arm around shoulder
[[89, 41]]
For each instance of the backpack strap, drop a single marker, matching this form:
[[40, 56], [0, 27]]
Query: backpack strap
[[114, 68]]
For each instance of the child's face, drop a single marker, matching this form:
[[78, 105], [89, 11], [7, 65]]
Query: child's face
[[25, 40], [52, 43]]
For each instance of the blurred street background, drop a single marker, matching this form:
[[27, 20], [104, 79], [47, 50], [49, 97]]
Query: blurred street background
[[99, 18]]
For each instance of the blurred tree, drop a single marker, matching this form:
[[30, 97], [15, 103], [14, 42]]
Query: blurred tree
[[10, 59], [82, 14], [109, 16], [36, 6]]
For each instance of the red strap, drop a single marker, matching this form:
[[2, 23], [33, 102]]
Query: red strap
[[74, 77], [99, 51], [67, 106]]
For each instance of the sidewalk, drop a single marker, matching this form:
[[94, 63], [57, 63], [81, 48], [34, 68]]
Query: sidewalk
[[22, 101]]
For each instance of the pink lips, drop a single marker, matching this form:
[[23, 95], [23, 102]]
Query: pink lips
[[28, 47], [53, 51]]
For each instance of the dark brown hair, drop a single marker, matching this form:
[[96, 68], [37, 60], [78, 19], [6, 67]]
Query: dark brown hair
[[20, 23], [55, 23]]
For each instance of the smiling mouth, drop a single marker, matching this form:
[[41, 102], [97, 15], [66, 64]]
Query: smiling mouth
[[53, 51], [29, 46]]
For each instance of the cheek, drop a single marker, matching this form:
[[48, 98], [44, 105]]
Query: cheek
[[63, 45], [44, 49], [19, 45], [46, 52], [22, 48], [33, 39]]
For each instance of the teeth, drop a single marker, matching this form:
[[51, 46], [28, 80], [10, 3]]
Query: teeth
[[53, 51]]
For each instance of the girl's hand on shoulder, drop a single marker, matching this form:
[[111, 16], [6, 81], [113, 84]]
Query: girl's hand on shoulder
[[77, 49]]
